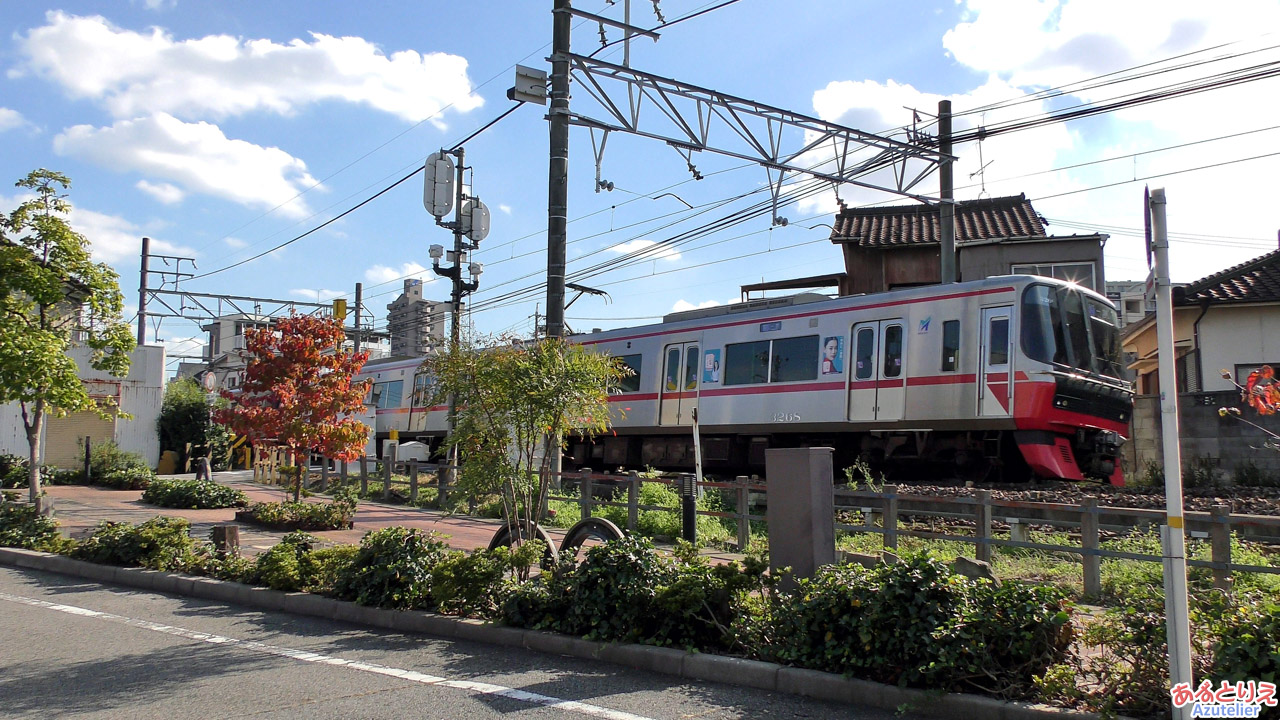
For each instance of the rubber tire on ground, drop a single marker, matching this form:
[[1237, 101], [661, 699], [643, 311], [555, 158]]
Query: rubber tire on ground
[[588, 528], [502, 538]]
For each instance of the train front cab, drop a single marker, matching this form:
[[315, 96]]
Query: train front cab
[[1073, 407]]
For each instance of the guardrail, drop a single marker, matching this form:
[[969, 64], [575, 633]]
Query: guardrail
[[982, 512]]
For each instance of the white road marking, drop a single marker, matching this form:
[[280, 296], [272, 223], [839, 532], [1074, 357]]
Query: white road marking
[[482, 688]]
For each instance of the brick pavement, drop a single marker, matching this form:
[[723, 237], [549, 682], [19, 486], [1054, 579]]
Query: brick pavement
[[79, 508]]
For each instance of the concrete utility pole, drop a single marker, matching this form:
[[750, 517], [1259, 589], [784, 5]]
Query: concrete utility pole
[[142, 294], [946, 194], [1172, 533], [355, 338], [558, 167]]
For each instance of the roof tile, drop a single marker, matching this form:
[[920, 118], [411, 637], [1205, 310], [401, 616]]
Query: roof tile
[[1255, 281], [901, 225]]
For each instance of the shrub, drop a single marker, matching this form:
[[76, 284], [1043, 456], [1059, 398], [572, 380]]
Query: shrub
[[476, 583], [613, 590], [392, 569], [1248, 474], [161, 543], [335, 515], [17, 473], [22, 527], [127, 478], [193, 494], [280, 568], [321, 568], [107, 457], [1246, 637], [699, 607]]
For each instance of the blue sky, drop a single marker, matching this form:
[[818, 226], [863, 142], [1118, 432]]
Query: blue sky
[[222, 129]]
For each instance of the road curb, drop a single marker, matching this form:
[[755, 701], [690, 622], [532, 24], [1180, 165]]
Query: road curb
[[766, 676]]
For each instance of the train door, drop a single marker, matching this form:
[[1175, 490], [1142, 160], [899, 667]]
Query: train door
[[995, 383], [679, 384], [877, 388]]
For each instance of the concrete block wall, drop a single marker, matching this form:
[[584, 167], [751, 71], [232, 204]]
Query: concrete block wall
[[1225, 441]]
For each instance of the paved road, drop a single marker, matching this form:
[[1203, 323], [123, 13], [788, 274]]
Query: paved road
[[74, 649]]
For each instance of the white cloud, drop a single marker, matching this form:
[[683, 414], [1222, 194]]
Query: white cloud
[[641, 246], [114, 238], [139, 73], [10, 119], [234, 242], [682, 305], [197, 156], [506, 209], [383, 274], [164, 192], [159, 4], [318, 295]]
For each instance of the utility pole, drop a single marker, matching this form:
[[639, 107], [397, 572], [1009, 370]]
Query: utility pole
[[142, 294], [558, 167], [355, 338], [946, 194], [1172, 533]]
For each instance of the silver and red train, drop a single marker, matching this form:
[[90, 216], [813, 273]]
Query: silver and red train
[[1014, 375]]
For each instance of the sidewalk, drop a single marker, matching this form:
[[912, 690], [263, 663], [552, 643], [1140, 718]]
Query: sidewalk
[[78, 508]]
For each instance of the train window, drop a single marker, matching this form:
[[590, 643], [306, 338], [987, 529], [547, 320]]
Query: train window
[[892, 351], [691, 356], [865, 353], [998, 353], [794, 359], [631, 381], [950, 345], [389, 394], [673, 369], [421, 389], [746, 363]]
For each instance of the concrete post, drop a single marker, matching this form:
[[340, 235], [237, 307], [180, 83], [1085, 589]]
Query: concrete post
[[584, 494], [982, 532], [364, 476], [1220, 544], [413, 482], [633, 501], [387, 467], [891, 517], [1089, 542], [744, 512], [1018, 530], [342, 473], [801, 515], [226, 539]]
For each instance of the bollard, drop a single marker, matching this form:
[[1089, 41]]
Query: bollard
[[584, 494], [744, 512], [413, 481], [891, 517], [226, 539], [364, 476], [982, 516], [1089, 543], [689, 507], [88, 473], [633, 500], [1220, 545]]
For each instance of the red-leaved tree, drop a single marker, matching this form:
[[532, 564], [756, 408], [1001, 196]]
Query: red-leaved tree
[[298, 391]]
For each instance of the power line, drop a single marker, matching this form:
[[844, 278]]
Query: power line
[[1159, 175]]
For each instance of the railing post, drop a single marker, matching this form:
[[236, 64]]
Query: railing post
[[364, 476], [324, 473], [983, 531], [744, 512], [387, 467], [633, 501], [342, 473], [891, 517], [585, 497], [1220, 544], [413, 481], [1089, 543]]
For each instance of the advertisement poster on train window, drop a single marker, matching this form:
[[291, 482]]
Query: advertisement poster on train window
[[711, 366], [832, 355]]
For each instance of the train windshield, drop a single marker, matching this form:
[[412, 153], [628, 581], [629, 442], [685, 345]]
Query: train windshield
[[1063, 326]]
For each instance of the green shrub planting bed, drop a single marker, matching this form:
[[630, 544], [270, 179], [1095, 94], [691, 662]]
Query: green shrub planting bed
[[192, 494]]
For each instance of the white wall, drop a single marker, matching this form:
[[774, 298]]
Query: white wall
[[141, 393], [1231, 336]]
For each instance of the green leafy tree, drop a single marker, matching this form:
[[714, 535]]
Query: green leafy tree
[[185, 418], [53, 296], [513, 399]]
